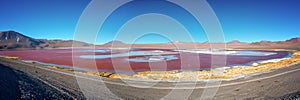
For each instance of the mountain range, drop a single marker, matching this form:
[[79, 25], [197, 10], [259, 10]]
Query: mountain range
[[15, 40]]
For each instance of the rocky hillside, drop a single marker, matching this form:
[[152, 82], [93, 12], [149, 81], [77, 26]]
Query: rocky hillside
[[15, 40], [115, 42], [294, 42], [237, 42]]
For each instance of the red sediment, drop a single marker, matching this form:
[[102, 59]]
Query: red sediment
[[64, 57]]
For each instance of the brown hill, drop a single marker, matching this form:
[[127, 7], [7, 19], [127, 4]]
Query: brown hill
[[237, 42], [115, 42], [290, 42], [15, 40]]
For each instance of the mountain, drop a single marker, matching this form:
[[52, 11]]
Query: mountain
[[262, 43], [290, 42], [12, 40], [15, 40], [236, 42], [114, 42], [293, 41], [231, 42]]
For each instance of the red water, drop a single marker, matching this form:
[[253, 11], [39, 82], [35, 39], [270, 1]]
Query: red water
[[64, 57]]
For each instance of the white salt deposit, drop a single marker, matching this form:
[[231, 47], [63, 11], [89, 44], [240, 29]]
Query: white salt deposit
[[273, 60], [203, 51], [255, 64], [18, 39], [226, 52]]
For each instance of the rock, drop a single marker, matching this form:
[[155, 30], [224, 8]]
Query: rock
[[54, 67], [105, 74], [67, 69], [120, 76]]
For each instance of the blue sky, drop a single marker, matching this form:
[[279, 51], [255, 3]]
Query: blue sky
[[244, 20], [50, 19]]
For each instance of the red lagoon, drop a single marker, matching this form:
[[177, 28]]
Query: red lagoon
[[139, 59]]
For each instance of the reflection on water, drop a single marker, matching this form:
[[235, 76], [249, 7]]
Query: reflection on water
[[153, 58], [91, 50], [131, 53], [148, 54], [157, 55], [229, 53], [253, 53]]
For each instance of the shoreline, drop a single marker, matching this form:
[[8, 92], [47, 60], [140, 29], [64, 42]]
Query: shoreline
[[231, 73]]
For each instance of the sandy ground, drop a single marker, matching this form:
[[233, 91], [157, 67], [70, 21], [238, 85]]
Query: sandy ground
[[278, 84]]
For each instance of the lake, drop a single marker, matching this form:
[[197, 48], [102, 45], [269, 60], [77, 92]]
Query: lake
[[133, 60]]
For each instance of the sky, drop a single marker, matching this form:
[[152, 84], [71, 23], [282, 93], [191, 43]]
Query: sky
[[244, 20]]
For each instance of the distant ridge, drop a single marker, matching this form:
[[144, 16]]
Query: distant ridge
[[236, 42], [294, 40], [15, 40], [114, 42], [290, 42]]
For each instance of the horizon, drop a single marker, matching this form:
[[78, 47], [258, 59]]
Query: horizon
[[153, 43], [265, 21]]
